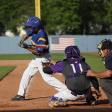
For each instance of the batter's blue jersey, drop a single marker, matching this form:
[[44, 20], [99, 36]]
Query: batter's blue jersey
[[40, 38]]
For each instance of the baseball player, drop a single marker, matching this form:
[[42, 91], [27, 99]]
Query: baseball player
[[105, 51], [40, 48], [74, 69]]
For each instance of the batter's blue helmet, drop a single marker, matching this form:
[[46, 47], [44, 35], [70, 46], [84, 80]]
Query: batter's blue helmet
[[33, 22], [72, 52]]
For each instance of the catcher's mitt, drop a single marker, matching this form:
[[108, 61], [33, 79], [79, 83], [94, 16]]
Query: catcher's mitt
[[46, 68]]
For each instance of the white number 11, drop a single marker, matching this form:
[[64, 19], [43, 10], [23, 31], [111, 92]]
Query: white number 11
[[74, 68]]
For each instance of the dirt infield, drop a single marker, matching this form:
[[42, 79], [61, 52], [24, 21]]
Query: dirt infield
[[38, 94]]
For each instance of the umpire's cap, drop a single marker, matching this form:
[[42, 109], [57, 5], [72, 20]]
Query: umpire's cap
[[105, 44]]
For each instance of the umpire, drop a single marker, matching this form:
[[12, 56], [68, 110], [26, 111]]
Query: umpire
[[105, 51]]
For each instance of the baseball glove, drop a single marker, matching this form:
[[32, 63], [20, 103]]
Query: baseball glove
[[20, 44], [46, 68], [31, 48], [25, 45]]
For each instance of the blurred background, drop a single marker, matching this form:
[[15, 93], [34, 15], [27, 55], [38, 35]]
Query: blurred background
[[67, 22]]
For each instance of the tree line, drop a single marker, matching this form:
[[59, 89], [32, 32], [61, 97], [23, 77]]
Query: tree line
[[60, 16]]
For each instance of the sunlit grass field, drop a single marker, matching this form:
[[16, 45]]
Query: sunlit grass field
[[4, 70], [93, 59]]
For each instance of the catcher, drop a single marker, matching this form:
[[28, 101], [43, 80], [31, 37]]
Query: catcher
[[74, 69], [40, 48]]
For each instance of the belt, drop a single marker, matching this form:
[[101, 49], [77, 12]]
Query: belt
[[40, 54]]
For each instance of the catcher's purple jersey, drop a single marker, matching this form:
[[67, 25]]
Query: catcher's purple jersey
[[74, 71], [78, 67]]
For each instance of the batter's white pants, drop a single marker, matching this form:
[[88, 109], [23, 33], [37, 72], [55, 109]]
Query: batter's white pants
[[36, 65]]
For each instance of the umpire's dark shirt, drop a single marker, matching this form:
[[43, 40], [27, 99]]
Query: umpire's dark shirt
[[108, 63], [106, 83]]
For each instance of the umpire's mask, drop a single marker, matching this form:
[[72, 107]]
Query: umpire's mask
[[72, 52]]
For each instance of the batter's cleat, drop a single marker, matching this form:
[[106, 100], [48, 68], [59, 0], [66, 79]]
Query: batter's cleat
[[18, 98], [56, 102]]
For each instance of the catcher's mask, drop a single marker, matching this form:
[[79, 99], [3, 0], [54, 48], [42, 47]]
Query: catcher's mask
[[104, 44], [72, 52]]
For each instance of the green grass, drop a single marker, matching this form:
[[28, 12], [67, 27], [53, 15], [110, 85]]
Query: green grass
[[94, 61], [4, 70], [91, 58], [16, 56], [55, 56]]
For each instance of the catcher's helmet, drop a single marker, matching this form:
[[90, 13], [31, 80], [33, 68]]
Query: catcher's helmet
[[33, 22], [72, 52], [104, 44]]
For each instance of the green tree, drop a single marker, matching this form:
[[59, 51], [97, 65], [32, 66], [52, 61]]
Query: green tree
[[108, 17], [61, 16], [85, 15], [99, 13], [13, 12]]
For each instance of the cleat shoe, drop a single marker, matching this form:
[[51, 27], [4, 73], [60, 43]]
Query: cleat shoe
[[56, 102], [92, 102], [98, 93], [18, 98], [110, 102]]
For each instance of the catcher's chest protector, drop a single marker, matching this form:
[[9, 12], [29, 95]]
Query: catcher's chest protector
[[75, 80]]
